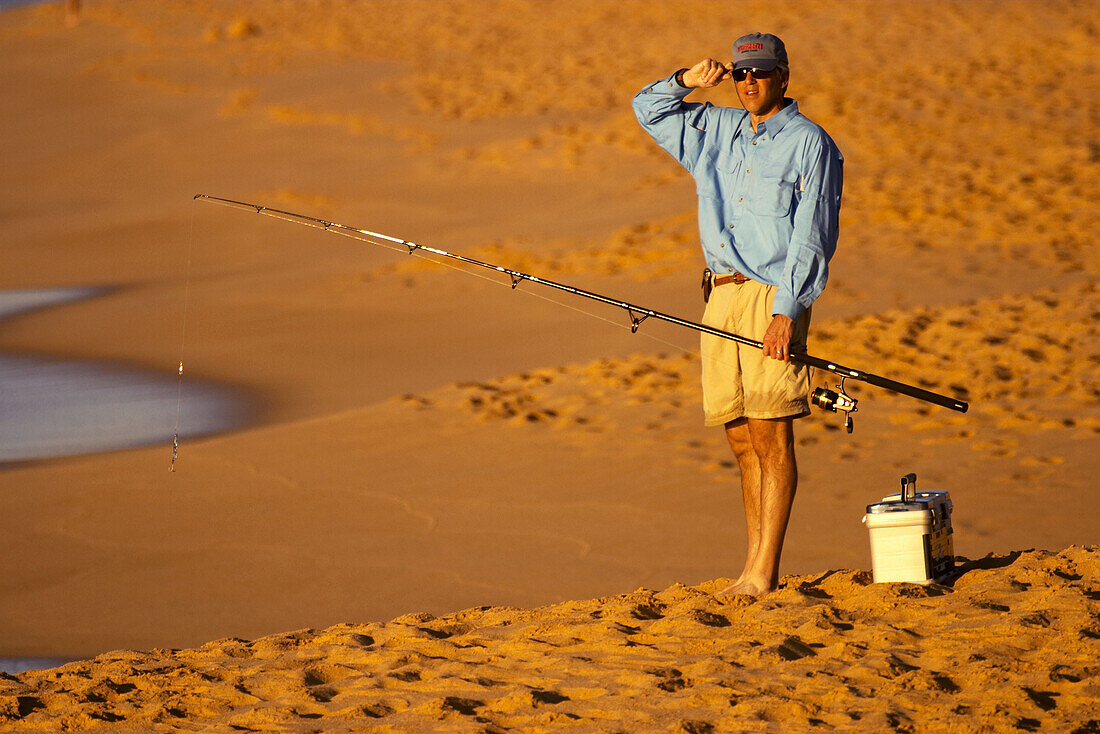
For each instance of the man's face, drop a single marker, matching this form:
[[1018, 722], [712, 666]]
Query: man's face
[[762, 97]]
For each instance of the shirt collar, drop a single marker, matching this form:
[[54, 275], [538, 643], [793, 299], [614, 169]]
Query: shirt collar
[[773, 124]]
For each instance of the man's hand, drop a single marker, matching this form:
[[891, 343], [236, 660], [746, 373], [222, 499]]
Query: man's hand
[[707, 73], [777, 339]]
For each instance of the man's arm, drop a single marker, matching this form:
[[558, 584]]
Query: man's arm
[[816, 228], [677, 126]]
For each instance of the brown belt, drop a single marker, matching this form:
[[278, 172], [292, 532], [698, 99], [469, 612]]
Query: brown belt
[[735, 278], [711, 281]]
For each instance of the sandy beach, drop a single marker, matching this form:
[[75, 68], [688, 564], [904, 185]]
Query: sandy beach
[[408, 441], [1012, 647]]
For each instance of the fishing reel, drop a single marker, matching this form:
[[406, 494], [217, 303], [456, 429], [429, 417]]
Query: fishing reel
[[836, 402]]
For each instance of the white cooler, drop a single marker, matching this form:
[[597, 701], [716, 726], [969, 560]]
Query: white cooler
[[911, 535]]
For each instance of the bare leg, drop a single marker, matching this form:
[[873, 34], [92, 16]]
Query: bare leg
[[768, 500], [773, 441], [737, 433]]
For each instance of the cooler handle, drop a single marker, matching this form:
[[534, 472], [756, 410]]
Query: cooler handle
[[909, 487]]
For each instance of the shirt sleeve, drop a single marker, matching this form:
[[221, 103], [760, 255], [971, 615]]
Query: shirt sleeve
[[816, 228], [677, 126]]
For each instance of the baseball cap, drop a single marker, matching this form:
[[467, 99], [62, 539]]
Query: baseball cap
[[759, 51]]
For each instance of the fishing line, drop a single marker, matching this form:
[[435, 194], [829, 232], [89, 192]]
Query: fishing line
[[821, 397], [419, 252], [183, 341], [424, 254], [637, 314], [533, 294]]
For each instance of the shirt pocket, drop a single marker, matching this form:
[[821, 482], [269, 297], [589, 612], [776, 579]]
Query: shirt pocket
[[728, 167], [774, 190], [772, 196], [718, 176], [725, 185]]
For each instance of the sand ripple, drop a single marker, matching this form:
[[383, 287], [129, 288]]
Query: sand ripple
[[1024, 359], [1026, 364], [1012, 646]]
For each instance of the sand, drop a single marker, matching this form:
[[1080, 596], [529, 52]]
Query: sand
[[1011, 647], [421, 441]]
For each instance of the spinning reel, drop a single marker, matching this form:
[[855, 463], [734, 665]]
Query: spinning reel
[[836, 402]]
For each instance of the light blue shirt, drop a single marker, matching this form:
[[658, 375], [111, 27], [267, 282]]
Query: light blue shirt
[[769, 200]]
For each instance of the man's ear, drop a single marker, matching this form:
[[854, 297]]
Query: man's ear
[[785, 78]]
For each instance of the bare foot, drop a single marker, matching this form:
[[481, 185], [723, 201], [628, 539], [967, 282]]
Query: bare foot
[[746, 587], [729, 590], [745, 572]]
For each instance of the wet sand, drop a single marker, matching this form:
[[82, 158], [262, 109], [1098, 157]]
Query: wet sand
[[428, 441]]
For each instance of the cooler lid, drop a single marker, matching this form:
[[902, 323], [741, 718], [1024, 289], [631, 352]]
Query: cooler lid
[[924, 494], [918, 505]]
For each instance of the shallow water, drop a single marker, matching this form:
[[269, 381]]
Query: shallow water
[[14, 302], [51, 407], [15, 666], [61, 408]]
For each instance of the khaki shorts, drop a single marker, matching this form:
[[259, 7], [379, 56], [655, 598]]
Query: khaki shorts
[[738, 380]]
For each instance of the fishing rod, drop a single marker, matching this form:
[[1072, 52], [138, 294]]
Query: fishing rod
[[835, 401]]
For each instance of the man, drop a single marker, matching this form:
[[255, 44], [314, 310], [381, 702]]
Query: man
[[769, 186]]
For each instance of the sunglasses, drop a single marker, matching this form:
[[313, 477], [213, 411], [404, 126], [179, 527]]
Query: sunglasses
[[740, 75]]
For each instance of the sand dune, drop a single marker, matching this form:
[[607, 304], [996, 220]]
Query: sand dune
[[1012, 645]]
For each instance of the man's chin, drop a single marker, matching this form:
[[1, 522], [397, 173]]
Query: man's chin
[[752, 104]]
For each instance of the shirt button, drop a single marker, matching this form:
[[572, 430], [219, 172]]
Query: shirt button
[[740, 199], [754, 142], [731, 270], [748, 170], [722, 244], [731, 226]]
